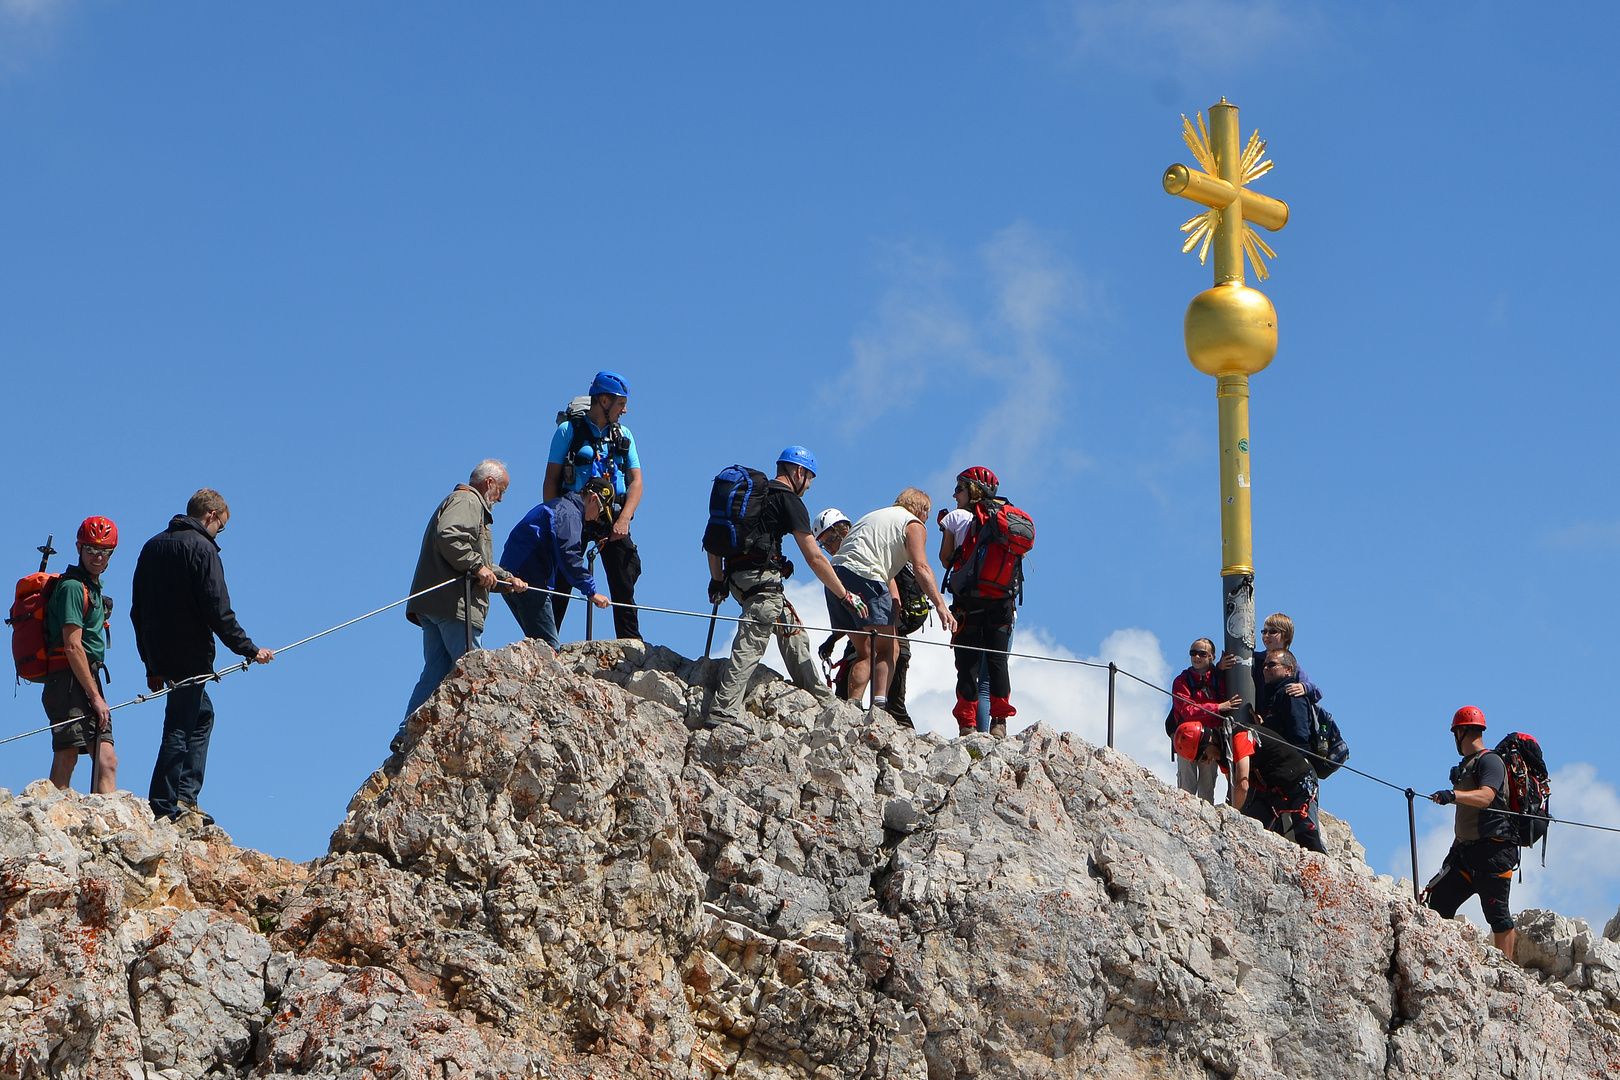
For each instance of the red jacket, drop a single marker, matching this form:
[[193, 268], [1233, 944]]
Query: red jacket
[[1208, 687]]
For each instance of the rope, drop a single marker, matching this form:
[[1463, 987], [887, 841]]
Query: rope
[[1409, 792], [1102, 667], [215, 676]]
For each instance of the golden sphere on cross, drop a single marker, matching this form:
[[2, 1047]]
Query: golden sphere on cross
[[1230, 330]]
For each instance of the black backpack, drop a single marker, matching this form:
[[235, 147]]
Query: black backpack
[[1326, 743], [611, 443], [1528, 788], [734, 530], [914, 606]]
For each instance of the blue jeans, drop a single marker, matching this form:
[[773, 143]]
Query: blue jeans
[[533, 612], [443, 643], [188, 721]]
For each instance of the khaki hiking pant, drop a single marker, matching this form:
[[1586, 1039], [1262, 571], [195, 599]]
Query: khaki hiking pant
[[763, 605]]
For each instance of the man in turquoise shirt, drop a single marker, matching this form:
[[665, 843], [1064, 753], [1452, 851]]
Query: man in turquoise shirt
[[596, 444]]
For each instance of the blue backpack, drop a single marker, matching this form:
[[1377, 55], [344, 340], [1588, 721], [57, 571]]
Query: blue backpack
[[734, 530]]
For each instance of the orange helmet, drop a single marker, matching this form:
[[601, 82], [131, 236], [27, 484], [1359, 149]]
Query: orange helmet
[[1190, 740], [98, 532], [1468, 716]]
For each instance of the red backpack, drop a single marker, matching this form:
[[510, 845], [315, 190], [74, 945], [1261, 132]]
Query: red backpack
[[27, 622], [990, 562]]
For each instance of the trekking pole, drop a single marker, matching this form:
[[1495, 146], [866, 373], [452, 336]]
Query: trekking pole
[[590, 570], [1411, 828], [1112, 671], [467, 596], [709, 644], [46, 552]]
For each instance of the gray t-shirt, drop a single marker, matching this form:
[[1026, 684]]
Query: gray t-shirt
[[1483, 770]]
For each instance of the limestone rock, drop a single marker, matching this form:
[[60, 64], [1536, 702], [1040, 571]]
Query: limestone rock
[[556, 877]]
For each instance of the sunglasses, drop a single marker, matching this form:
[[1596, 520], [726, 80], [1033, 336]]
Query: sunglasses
[[92, 552], [1197, 652], [1275, 664]]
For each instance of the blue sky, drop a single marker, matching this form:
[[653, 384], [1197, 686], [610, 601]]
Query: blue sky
[[325, 258]]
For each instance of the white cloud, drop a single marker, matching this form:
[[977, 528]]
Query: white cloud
[[27, 31], [1066, 696], [1583, 865], [1585, 536], [1195, 38], [924, 340]]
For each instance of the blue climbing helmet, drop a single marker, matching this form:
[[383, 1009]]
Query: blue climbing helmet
[[798, 455], [609, 382]]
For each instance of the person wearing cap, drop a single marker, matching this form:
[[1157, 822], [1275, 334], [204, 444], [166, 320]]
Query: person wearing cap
[[457, 544], [986, 623], [1266, 778], [76, 648], [871, 556], [178, 603], [597, 444], [1484, 855], [549, 543], [756, 583]]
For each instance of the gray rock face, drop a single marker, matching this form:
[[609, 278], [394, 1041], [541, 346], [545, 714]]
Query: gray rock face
[[560, 877]]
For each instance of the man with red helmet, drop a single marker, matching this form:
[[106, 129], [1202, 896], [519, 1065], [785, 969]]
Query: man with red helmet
[[76, 638], [1484, 855], [985, 624]]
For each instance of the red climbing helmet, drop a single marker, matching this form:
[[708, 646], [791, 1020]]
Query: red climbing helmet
[[1190, 740], [1468, 716], [980, 475], [98, 532]]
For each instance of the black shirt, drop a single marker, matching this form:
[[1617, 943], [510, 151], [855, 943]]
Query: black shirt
[[1483, 770], [784, 513]]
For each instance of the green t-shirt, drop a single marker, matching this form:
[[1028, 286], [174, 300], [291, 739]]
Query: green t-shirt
[[67, 607]]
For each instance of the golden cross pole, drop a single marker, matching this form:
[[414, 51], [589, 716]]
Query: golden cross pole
[[1231, 333]]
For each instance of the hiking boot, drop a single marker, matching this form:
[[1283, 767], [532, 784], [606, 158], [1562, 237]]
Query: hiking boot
[[711, 722], [998, 731], [964, 730], [193, 808]]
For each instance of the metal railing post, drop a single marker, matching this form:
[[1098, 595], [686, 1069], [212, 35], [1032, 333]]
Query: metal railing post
[[1411, 828], [590, 608], [1112, 671]]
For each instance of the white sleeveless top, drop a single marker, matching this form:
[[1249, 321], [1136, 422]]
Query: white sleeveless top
[[876, 547]]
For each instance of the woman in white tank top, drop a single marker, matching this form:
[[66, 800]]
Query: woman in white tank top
[[876, 547]]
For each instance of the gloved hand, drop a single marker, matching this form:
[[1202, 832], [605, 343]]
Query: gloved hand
[[787, 569], [718, 591], [1445, 796]]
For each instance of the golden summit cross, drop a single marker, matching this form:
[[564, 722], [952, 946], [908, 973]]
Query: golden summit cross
[[1231, 333]]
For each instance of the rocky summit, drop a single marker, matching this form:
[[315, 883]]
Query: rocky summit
[[559, 878]]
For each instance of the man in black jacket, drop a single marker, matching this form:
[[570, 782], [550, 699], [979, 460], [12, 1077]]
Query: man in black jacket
[[179, 603]]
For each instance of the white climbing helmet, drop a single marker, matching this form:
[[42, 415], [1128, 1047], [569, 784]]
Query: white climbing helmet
[[826, 520]]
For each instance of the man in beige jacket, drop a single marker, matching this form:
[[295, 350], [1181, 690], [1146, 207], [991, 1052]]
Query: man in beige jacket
[[457, 545]]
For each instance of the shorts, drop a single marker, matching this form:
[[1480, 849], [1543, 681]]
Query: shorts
[[1484, 867], [879, 604], [65, 699]]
